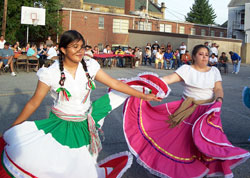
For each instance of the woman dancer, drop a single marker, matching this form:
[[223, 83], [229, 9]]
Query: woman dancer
[[184, 138], [67, 143]]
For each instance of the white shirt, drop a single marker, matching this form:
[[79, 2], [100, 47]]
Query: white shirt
[[198, 85], [159, 56], [76, 86], [52, 52], [214, 50], [213, 60], [105, 51], [183, 49], [2, 44]]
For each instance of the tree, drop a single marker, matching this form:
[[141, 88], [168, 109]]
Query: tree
[[15, 31], [201, 13]]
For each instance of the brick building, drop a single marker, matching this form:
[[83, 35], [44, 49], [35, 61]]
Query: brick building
[[108, 21]]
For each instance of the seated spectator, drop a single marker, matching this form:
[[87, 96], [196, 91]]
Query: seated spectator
[[137, 57], [51, 52], [111, 61], [223, 62], [42, 54], [186, 58], [213, 61], [27, 47], [169, 47], [2, 42], [177, 58], [121, 61], [133, 60], [56, 47], [168, 59], [95, 50], [163, 48], [154, 51], [6, 58], [16, 51], [159, 58], [147, 56], [32, 51], [214, 50], [88, 52]]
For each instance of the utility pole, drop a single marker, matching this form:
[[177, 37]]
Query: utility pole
[[4, 17]]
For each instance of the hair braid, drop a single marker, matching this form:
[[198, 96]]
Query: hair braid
[[62, 79], [85, 68]]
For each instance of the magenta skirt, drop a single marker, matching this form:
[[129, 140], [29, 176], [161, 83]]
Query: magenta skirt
[[197, 147]]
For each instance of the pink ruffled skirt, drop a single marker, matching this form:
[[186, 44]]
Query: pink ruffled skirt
[[197, 147]]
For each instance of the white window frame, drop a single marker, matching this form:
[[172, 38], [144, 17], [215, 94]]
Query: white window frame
[[182, 29], [120, 26], [142, 26], [193, 31], [168, 28], [101, 22], [203, 32], [162, 27]]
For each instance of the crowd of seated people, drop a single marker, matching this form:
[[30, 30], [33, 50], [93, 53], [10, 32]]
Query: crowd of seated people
[[164, 56], [9, 53]]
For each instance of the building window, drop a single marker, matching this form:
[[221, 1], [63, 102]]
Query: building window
[[182, 30], [203, 32], [141, 26], [193, 31], [162, 28], [120, 26], [168, 28], [145, 26], [212, 33], [101, 23], [165, 28], [221, 34]]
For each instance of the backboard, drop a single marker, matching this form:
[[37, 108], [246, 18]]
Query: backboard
[[32, 16]]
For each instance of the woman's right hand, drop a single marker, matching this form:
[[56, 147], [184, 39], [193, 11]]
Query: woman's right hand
[[150, 97]]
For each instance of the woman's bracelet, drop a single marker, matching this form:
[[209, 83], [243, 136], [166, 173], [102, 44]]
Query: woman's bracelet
[[217, 99]]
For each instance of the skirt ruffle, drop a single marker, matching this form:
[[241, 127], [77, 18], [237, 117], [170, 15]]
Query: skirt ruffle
[[30, 152], [195, 148]]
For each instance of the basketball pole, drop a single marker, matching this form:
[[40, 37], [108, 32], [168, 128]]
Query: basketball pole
[[27, 34]]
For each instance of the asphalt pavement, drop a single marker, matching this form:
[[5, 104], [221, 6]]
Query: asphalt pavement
[[16, 91]]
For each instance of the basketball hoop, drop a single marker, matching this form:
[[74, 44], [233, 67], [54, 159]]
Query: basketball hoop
[[35, 22], [34, 19]]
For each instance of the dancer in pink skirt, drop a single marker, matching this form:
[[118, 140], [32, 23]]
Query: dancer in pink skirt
[[184, 138]]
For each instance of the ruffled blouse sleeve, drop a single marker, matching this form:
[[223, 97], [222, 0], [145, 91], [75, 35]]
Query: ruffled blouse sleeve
[[93, 67], [183, 71], [44, 75]]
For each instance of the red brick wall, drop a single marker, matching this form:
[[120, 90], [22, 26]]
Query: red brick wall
[[87, 25]]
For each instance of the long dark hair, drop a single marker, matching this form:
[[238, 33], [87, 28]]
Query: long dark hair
[[67, 38], [196, 49]]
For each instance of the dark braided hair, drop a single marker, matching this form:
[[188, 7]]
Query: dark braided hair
[[67, 38]]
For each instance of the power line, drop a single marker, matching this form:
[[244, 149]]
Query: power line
[[174, 15]]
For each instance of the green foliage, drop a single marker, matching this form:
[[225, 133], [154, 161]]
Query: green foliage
[[201, 13], [15, 31]]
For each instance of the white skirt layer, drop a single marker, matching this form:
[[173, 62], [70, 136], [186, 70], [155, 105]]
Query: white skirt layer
[[26, 146]]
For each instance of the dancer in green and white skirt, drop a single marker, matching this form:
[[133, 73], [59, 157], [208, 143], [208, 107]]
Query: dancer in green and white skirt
[[67, 143]]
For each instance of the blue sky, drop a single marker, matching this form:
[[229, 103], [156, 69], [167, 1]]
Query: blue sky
[[177, 9]]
